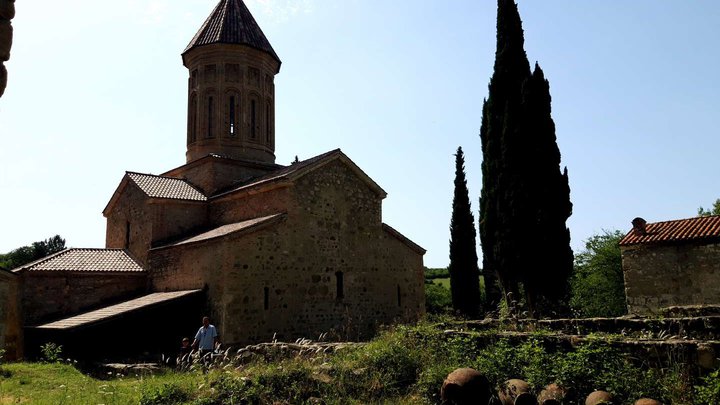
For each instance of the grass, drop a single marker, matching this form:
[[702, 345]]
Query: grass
[[403, 365], [58, 383]]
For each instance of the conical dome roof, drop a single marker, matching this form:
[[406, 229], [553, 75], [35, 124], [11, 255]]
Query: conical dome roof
[[231, 23]]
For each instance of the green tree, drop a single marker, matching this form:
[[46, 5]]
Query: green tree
[[715, 210], [525, 198], [37, 250], [598, 287], [463, 268]]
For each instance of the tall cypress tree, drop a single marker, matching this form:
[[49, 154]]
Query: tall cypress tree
[[464, 272], [525, 199]]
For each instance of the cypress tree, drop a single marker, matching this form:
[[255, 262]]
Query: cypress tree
[[464, 272], [525, 200]]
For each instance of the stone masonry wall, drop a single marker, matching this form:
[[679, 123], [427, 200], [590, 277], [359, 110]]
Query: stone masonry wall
[[52, 295], [151, 221], [284, 279], [211, 175], [659, 276], [7, 12], [10, 320]]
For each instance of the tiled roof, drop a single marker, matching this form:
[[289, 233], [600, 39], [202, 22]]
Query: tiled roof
[[231, 23], [228, 229], [116, 310], [85, 260], [166, 187], [691, 229]]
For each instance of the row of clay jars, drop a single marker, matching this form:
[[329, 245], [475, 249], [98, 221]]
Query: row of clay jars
[[7, 12], [468, 386]]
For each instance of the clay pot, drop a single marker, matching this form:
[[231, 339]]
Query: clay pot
[[516, 392], [599, 398], [466, 386], [647, 401], [553, 394], [7, 9]]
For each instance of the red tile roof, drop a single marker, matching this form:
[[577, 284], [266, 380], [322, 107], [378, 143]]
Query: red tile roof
[[116, 310], [166, 187], [680, 230], [85, 260], [231, 23]]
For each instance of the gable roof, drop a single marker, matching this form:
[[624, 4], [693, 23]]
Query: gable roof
[[166, 187], [86, 260], [249, 225], [232, 23], [288, 174], [680, 230], [153, 186], [112, 311]]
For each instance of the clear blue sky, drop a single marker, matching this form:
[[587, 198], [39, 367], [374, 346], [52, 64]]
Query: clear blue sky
[[97, 88]]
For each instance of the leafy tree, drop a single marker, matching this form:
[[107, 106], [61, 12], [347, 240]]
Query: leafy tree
[[525, 198], [26, 254], [463, 268], [598, 287], [715, 210]]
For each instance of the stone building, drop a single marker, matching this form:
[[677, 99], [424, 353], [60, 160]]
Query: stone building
[[671, 263], [10, 324], [271, 250]]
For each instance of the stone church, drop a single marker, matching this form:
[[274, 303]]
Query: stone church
[[264, 249]]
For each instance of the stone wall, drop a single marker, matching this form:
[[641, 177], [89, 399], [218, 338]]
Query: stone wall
[[327, 266], [7, 12], [51, 295], [658, 276], [151, 221], [10, 319], [211, 174]]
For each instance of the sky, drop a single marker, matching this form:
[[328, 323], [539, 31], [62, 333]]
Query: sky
[[97, 88]]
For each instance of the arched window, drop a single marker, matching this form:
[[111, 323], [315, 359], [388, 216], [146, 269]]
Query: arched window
[[127, 234], [267, 122], [232, 127], [210, 116], [192, 119], [253, 119]]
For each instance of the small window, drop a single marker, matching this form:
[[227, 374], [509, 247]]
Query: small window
[[192, 119], [266, 299], [253, 119], [211, 116], [231, 108], [267, 122], [127, 234], [340, 288]]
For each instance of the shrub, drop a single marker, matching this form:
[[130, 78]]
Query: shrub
[[51, 352], [708, 393], [167, 394], [437, 299]]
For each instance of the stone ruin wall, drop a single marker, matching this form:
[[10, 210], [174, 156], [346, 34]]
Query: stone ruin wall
[[659, 276], [284, 278], [7, 12]]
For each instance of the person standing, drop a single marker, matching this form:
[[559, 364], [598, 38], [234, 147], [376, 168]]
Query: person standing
[[206, 339]]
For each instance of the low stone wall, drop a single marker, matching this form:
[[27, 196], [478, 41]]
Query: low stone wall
[[7, 12]]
